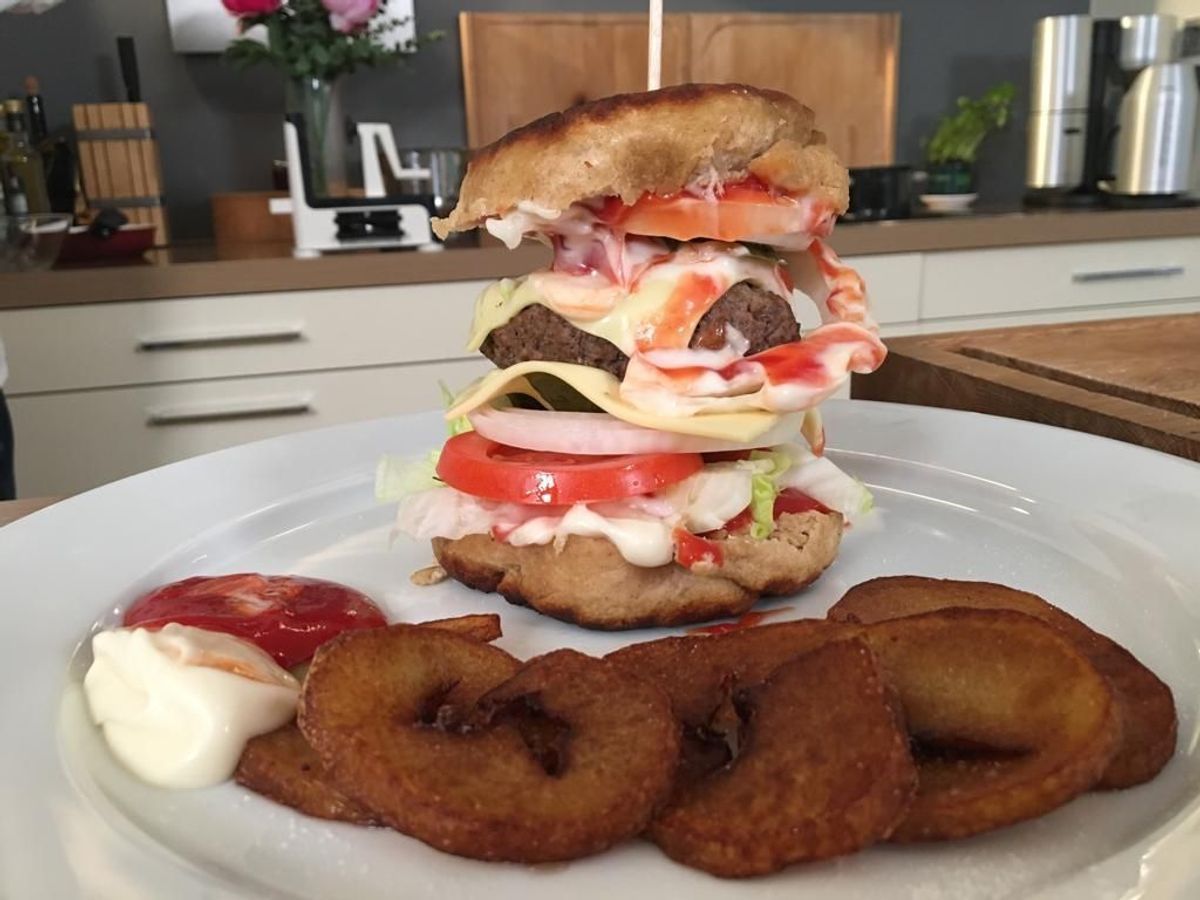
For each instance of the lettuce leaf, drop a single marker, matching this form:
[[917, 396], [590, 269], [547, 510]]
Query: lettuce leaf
[[762, 506], [399, 476], [764, 488], [822, 480], [454, 426]]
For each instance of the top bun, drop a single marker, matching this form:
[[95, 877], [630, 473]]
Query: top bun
[[653, 142]]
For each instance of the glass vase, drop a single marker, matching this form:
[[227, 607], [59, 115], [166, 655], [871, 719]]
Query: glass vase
[[319, 101]]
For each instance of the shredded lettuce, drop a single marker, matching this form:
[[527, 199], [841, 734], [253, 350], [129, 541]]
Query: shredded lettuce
[[762, 506], [764, 488], [399, 476], [454, 426], [822, 480]]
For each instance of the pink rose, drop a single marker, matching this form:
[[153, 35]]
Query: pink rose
[[252, 7], [347, 16]]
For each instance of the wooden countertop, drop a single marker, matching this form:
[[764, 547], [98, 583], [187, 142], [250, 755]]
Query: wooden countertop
[[1136, 380], [11, 510], [206, 271]]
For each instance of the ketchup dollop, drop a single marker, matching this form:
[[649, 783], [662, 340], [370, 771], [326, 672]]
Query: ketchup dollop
[[287, 616]]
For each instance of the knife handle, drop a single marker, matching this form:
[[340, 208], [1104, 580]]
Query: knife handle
[[129, 68]]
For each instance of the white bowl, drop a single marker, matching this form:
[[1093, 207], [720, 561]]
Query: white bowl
[[949, 203]]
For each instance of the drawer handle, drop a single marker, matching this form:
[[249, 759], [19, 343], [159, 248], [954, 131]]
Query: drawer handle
[[1119, 274], [186, 340], [230, 410]]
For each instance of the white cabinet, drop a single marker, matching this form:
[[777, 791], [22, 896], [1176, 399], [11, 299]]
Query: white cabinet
[[159, 341], [70, 441], [1061, 276], [101, 391]]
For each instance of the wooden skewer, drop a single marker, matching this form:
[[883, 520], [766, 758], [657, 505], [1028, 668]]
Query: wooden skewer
[[654, 50]]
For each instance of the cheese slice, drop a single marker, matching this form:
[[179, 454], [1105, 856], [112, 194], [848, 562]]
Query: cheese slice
[[603, 389]]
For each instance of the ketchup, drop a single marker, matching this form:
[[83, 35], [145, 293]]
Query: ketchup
[[693, 296], [746, 620], [691, 550], [285, 615]]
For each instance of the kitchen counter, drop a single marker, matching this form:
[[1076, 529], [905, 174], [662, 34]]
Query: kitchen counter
[[193, 271], [11, 510]]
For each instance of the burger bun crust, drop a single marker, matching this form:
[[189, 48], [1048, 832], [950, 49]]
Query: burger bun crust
[[653, 142]]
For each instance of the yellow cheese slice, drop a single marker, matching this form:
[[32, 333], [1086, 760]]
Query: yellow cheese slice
[[602, 388]]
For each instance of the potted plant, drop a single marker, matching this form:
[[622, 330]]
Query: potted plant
[[314, 43], [950, 153]]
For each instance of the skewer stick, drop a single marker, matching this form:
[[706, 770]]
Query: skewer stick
[[654, 51]]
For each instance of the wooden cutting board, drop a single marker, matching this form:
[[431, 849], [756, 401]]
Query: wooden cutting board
[[519, 66], [1135, 380]]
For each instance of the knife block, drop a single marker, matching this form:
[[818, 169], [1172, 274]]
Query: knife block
[[119, 162]]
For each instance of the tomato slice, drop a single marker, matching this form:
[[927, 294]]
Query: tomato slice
[[744, 211], [474, 465], [287, 616]]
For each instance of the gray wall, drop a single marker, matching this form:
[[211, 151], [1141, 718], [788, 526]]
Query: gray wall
[[219, 128]]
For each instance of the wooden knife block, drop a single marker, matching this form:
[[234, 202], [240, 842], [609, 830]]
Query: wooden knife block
[[119, 162]]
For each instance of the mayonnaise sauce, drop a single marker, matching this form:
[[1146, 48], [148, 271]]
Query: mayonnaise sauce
[[178, 705]]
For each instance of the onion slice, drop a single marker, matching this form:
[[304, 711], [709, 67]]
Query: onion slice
[[601, 434]]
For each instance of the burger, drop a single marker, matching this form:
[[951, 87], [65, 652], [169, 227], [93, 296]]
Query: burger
[[649, 450]]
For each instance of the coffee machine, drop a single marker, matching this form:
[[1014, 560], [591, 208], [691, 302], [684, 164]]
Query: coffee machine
[[1112, 113], [1157, 121]]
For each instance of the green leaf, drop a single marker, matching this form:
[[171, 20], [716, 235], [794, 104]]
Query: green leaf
[[397, 476], [958, 136]]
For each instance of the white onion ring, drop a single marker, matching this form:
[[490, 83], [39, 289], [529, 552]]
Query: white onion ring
[[600, 434]]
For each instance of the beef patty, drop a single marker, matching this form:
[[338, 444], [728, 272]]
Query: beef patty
[[765, 319]]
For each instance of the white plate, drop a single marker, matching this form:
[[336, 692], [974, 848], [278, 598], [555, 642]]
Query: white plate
[[1107, 530], [948, 203]]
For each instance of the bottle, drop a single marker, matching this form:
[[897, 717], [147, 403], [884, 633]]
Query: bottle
[[35, 110], [24, 177]]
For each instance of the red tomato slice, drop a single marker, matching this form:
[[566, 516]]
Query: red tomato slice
[[744, 211], [287, 616], [474, 465]]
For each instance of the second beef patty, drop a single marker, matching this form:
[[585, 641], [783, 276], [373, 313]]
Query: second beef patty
[[765, 319]]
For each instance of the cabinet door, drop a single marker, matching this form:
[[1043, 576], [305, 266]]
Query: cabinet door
[[893, 283], [72, 441], [159, 341], [1063, 276]]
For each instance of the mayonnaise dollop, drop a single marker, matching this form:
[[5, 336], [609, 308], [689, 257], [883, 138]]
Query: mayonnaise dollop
[[178, 705]]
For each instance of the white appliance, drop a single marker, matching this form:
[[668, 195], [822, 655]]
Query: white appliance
[[332, 224]]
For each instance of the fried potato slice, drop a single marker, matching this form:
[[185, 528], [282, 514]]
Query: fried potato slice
[[823, 769], [701, 673], [692, 669], [483, 627], [282, 766], [1145, 703], [1001, 680], [560, 758]]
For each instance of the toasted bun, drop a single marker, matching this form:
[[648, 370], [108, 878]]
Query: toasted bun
[[656, 142], [589, 583]]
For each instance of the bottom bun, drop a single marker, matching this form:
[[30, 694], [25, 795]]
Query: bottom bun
[[587, 582]]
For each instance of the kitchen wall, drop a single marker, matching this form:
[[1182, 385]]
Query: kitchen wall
[[219, 127]]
